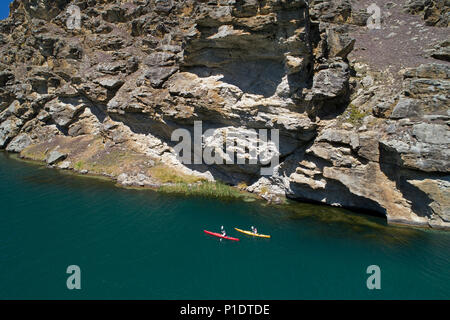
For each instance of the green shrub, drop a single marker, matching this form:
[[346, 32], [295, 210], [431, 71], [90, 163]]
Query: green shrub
[[79, 165], [354, 115]]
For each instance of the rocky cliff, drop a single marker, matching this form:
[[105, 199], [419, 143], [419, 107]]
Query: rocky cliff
[[363, 114]]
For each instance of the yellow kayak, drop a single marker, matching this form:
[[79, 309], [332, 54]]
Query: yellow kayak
[[252, 234]]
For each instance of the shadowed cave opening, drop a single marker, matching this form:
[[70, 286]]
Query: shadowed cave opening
[[334, 193]]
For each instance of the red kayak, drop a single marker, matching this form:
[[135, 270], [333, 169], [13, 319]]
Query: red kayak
[[218, 235]]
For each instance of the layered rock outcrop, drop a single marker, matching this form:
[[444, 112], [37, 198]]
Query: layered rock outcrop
[[106, 97]]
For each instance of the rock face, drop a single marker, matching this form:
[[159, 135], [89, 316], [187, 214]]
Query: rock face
[[434, 12], [19, 143], [112, 92]]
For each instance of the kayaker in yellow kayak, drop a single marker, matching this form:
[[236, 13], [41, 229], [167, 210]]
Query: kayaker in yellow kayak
[[253, 232]]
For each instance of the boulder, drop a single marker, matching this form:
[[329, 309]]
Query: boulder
[[432, 133], [136, 180], [9, 129], [158, 75], [54, 157], [340, 44], [329, 84], [423, 147], [19, 143], [429, 71], [434, 12], [64, 110], [442, 51], [110, 83], [406, 108]]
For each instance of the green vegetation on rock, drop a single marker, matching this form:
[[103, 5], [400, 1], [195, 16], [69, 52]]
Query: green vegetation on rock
[[79, 165], [203, 189], [170, 175], [354, 115]]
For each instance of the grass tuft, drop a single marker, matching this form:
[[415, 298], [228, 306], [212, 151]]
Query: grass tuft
[[354, 115], [203, 189], [169, 175], [79, 165]]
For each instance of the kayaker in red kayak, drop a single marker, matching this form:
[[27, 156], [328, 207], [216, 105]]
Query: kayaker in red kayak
[[222, 230], [220, 235]]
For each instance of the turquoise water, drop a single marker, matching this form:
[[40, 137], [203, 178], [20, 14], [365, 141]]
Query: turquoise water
[[134, 244]]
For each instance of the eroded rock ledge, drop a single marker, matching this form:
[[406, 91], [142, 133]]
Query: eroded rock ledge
[[105, 99]]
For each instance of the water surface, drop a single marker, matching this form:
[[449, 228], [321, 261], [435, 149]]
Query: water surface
[[133, 244]]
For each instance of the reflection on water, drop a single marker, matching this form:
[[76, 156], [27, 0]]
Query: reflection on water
[[360, 224]]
